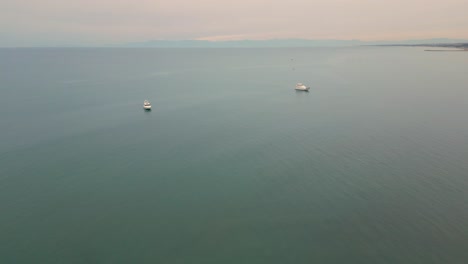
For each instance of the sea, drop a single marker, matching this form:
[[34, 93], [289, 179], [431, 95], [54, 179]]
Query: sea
[[232, 165]]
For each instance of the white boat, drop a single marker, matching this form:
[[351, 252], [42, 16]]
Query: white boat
[[302, 87], [147, 105]]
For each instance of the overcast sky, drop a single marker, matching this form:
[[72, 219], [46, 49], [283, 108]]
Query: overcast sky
[[62, 22]]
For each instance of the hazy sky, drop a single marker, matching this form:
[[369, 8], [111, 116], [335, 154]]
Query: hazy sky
[[62, 22]]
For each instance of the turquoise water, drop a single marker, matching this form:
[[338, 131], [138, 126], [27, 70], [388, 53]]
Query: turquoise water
[[233, 165]]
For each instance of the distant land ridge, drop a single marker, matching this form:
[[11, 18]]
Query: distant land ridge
[[437, 42], [438, 45]]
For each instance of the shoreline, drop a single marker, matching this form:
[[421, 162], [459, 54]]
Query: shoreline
[[440, 50]]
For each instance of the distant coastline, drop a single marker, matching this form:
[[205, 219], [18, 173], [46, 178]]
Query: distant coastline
[[294, 43], [446, 50], [266, 43], [451, 46]]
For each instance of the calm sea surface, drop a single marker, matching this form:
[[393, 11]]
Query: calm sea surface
[[233, 165]]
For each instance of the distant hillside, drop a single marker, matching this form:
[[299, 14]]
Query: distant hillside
[[277, 43], [438, 45], [243, 43]]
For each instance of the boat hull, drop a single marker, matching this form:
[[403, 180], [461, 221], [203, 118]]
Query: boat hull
[[303, 89], [147, 107]]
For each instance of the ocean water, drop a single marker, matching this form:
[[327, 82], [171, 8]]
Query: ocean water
[[232, 165]]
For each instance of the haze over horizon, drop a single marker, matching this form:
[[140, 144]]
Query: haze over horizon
[[106, 22]]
